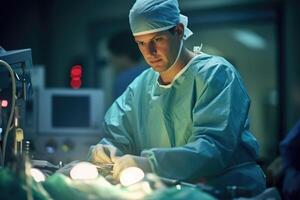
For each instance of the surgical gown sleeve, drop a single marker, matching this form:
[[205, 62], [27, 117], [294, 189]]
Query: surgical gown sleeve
[[290, 146], [219, 116], [117, 124]]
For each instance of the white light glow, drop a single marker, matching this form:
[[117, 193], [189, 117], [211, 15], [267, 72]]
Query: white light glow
[[84, 171], [178, 187], [250, 39], [131, 175], [37, 175]]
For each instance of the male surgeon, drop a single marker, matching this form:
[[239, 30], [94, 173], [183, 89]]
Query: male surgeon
[[184, 118]]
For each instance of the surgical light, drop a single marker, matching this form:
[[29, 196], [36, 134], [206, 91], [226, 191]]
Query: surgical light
[[84, 171], [131, 175], [37, 175]]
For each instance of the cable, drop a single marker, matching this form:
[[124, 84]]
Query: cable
[[9, 127], [13, 104]]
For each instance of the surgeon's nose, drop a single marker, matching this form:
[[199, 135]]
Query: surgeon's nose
[[152, 48]]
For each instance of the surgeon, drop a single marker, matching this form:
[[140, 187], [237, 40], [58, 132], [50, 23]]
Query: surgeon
[[184, 118]]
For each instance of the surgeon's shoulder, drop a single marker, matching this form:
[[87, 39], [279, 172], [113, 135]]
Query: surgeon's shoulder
[[210, 66]]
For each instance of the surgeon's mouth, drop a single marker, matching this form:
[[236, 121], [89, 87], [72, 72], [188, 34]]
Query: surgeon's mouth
[[155, 61]]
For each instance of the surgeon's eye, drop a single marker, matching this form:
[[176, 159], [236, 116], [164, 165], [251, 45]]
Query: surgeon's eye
[[158, 39], [140, 43]]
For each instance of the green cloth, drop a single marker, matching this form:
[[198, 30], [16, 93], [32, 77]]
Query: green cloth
[[177, 194], [195, 129], [15, 187]]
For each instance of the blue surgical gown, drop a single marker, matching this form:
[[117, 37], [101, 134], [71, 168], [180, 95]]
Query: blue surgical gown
[[289, 150], [195, 129]]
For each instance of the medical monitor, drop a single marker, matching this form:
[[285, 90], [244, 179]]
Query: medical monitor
[[21, 62], [70, 112]]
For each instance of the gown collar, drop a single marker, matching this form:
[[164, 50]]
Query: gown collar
[[184, 69]]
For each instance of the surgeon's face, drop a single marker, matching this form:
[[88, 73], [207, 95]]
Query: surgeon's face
[[159, 49]]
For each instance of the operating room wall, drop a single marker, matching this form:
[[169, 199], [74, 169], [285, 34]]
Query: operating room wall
[[24, 25], [59, 34], [71, 21]]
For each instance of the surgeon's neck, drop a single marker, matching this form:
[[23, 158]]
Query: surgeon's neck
[[167, 77]]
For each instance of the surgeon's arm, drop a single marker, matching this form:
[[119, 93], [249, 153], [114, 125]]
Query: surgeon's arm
[[218, 119], [117, 125]]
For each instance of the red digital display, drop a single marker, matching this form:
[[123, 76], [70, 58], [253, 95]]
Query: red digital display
[[76, 73]]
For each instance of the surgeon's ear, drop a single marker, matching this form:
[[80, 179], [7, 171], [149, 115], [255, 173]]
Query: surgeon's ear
[[179, 30]]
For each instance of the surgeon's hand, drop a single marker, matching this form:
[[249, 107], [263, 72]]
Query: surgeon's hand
[[102, 153], [123, 162]]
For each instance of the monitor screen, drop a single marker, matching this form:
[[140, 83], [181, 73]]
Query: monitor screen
[[70, 111]]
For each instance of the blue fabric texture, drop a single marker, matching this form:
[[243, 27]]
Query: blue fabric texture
[[289, 150], [290, 146], [147, 15]]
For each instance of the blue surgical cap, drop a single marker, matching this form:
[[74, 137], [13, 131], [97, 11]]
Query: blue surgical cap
[[149, 16]]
